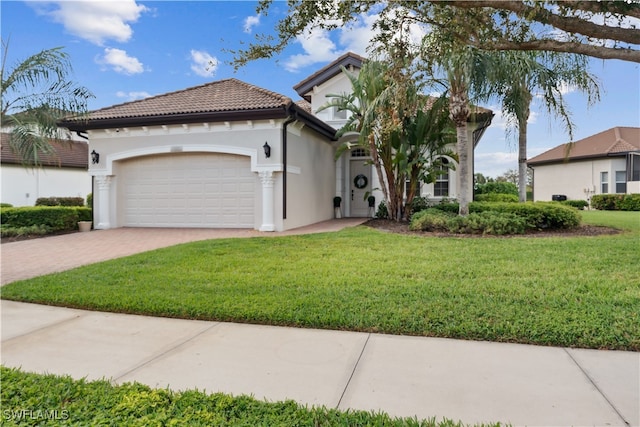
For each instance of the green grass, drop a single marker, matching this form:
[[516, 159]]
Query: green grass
[[560, 291], [49, 400]]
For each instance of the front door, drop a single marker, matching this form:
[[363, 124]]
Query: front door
[[360, 179]]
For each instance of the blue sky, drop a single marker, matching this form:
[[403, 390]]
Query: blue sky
[[125, 50]]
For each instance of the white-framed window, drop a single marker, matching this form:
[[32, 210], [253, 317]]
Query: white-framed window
[[359, 152], [621, 182], [441, 186], [337, 114], [604, 182]]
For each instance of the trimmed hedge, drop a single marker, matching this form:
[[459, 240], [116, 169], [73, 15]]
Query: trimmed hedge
[[488, 222], [538, 215], [57, 218], [497, 187], [497, 197], [578, 204], [60, 201], [616, 202]]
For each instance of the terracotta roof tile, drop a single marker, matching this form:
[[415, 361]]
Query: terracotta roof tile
[[219, 96], [71, 154], [608, 142]]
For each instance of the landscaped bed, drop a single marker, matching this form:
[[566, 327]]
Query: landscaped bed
[[579, 291]]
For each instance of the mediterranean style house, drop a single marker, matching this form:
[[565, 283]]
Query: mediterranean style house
[[607, 162], [63, 174], [233, 155]]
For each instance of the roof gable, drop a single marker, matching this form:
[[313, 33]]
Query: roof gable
[[219, 100], [328, 72], [611, 142], [70, 154]]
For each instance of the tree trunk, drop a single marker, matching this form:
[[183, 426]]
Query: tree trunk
[[459, 111], [522, 151], [465, 194]]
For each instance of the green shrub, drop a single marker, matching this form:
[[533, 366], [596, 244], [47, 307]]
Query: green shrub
[[60, 201], [57, 218], [538, 215], [488, 222], [616, 202], [578, 204], [430, 220], [6, 205], [497, 187], [419, 204], [497, 197], [33, 230], [382, 212], [90, 200]]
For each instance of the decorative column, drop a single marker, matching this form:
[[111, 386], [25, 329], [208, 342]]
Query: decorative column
[[267, 201], [104, 187]]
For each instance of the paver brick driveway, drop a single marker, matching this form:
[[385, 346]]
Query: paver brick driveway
[[31, 258]]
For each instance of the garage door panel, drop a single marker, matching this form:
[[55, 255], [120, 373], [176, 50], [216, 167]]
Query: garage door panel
[[188, 190]]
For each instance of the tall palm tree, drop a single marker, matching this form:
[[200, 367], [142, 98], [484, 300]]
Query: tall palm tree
[[466, 70], [34, 95], [522, 74]]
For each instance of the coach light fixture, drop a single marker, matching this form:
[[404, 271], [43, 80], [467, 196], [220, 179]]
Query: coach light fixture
[[95, 157], [267, 150]]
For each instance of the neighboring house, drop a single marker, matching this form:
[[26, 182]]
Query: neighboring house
[[63, 174], [607, 162], [232, 155]]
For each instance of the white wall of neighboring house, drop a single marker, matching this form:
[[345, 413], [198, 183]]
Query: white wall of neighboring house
[[573, 178], [22, 186]]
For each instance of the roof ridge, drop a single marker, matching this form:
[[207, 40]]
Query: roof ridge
[[259, 88]]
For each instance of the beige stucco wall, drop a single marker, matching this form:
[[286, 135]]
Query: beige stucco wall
[[23, 186], [311, 175], [310, 163], [572, 178]]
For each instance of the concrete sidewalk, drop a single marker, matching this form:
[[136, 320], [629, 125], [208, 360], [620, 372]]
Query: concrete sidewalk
[[403, 376]]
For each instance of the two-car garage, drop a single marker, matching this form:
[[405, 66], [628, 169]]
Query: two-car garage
[[207, 190]]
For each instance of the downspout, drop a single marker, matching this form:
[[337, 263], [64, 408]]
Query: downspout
[[291, 119]]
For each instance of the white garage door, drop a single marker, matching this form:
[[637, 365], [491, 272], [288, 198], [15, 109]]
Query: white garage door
[[187, 190]]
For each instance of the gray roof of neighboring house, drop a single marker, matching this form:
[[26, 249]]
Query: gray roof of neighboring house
[[223, 100], [70, 154], [612, 142], [329, 71]]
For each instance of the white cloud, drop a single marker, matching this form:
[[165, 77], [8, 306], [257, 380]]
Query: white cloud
[[502, 122], [132, 96], [120, 62], [496, 163], [320, 45], [95, 20], [203, 64], [250, 22]]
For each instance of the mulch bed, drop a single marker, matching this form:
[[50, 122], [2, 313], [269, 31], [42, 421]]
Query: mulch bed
[[402, 227]]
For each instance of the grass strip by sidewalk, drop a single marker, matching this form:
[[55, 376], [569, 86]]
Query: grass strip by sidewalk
[[559, 291], [50, 400]]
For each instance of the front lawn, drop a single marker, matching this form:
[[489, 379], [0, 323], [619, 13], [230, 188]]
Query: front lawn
[[50, 400], [561, 291]]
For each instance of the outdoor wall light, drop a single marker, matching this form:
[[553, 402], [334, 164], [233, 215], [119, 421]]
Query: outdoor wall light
[[95, 157], [267, 150]]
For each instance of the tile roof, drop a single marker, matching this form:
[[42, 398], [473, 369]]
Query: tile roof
[[71, 154], [618, 140], [227, 95]]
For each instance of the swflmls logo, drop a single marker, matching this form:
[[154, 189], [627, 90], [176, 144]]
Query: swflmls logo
[[30, 414]]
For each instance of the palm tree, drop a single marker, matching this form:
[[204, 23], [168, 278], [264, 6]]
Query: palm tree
[[35, 94], [403, 130], [466, 70], [522, 74]]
